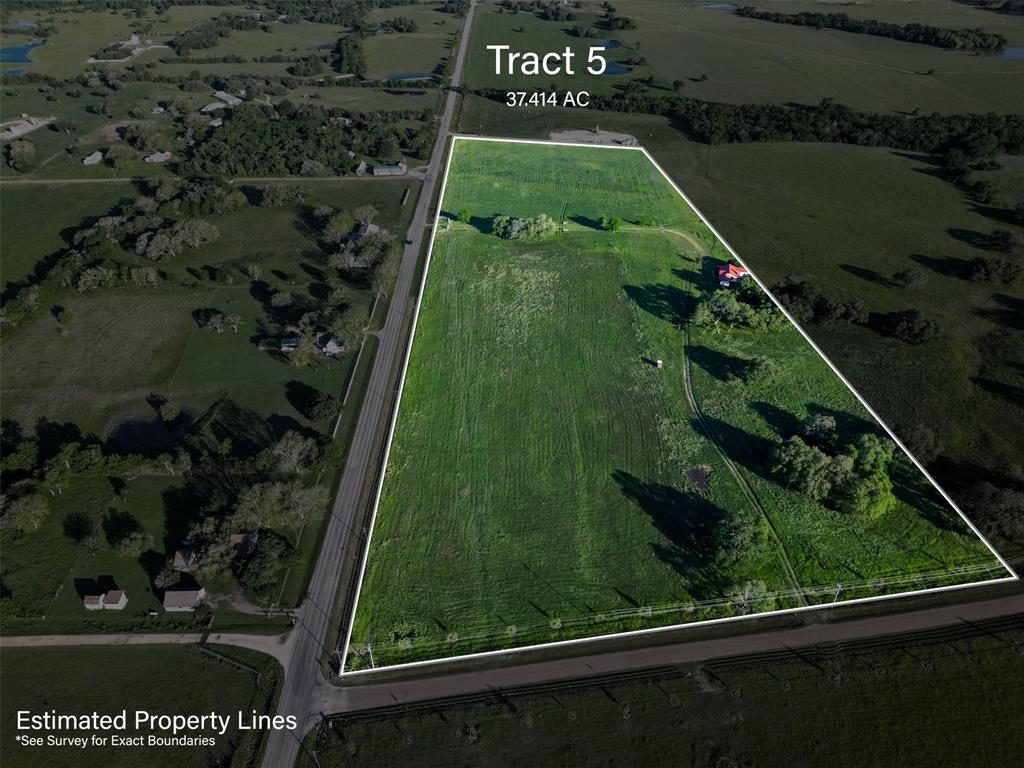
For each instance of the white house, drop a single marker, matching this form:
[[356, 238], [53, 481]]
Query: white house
[[115, 600]]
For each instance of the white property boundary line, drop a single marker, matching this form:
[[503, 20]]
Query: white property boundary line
[[651, 630]]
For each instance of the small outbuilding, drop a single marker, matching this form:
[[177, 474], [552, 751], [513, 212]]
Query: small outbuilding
[[363, 230], [93, 602], [290, 343], [183, 600], [157, 157], [330, 344], [94, 159], [227, 98], [184, 559], [399, 169], [115, 600], [212, 107]]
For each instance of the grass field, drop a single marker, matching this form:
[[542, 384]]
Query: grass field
[[538, 485], [747, 60], [159, 679], [413, 52], [848, 218], [916, 703], [24, 243]]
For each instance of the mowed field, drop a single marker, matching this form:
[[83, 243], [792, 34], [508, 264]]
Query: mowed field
[[540, 483]]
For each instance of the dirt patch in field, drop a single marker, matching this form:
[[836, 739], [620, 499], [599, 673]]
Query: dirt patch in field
[[595, 137], [700, 477]]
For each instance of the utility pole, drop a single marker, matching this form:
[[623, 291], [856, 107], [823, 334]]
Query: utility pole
[[839, 589]]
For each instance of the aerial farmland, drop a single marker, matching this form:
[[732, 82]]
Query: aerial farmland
[[606, 425]]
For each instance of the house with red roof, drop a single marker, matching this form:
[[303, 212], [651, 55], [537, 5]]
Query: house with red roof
[[729, 273]]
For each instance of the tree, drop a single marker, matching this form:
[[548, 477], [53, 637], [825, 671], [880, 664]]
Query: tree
[[819, 428], [259, 575], [258, 506], [808, 469], [338, 227], [922, 442], [912, 327], [167, 577], [24, 514], [294, 453], [169, 411], [301, 501], [365, 214], [195, 232], [21, 154], [281, 299], [677, 86], [233, 322], [134, 543], [751, 597], [464, 215], [611, 223]]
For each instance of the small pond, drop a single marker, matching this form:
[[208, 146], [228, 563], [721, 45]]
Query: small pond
[[722, 6], [611, 44], [1011, 54], [18, 54], [614, 68]]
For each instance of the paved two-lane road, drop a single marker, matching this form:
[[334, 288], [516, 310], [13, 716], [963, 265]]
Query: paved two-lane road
[[313, 626]]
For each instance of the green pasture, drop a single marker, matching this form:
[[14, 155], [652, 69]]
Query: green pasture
[[848, 218], [23, 242], [162, 679], [539, 480], [419, 51], [747, 60], [366, 99]]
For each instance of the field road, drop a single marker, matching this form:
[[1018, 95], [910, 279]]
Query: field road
[[272, 645], [332, 700], [313, 625]]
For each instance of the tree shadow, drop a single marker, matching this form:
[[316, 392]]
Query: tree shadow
[[1012, 316], [912, 488], [692, 525], [720, 365], [667, 302], [868, 274], [118, 523], [1009, 392], [783, 423], [751, 451], [944, 265], [301, 396], [586, 221], [969, 236]]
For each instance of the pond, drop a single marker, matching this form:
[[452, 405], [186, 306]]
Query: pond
[[614, 68], [1011, 54], [611, 44], [18, 54], [722, 6]]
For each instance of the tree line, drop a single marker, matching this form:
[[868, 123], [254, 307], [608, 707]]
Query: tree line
[[925, 34]]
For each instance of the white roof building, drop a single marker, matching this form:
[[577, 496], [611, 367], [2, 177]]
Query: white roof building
[[94, 159]]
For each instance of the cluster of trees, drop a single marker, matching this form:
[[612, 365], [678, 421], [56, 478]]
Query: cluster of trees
[[455, 7], [399, 24], [806, 304], [293, 140], [310, 66], [349, 58], [960, 39], [579, 30], [512, 228], [209, 33], [743, 304], [853, 478], [157, 226], [21, 155], [113, 53]]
